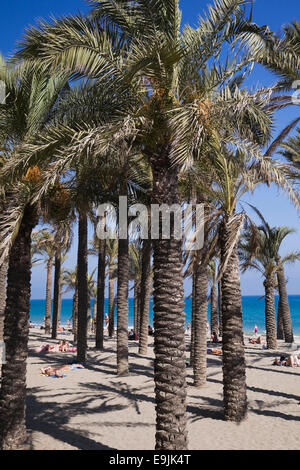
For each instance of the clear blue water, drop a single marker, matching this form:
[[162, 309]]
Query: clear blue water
[[253, 312]]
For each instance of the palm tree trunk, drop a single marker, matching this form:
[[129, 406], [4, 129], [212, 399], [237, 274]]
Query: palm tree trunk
[[270, 312], [3, 274], [138, 309], [57, 273], [16, 331], [100, 295], [213, 309], [145, 297], [82, 280], [94, 314], [234, 366], [75, 315], [48, 297], [59, 300], [122, 308], [200, 314], [135, 306], [220, 308], [169, 318], [284, 306], [280, 332], [193, 319], [200, 320], [111, 305]]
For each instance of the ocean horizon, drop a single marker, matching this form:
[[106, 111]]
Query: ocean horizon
[[253, 312]]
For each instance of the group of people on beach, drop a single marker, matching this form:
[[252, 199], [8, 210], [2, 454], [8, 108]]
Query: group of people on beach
[[62, 346]]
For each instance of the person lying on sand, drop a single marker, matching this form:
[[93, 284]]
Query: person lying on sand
[[289, 360], [255, 340], [215, 351], [63, 346], [59, 372]]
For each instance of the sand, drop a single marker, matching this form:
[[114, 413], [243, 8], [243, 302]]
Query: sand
[[95, 409]]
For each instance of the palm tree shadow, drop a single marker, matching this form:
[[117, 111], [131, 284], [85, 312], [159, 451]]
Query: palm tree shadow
[[52, 419], [212, 408]]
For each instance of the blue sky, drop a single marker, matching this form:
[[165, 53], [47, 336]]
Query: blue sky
[[14, 18]]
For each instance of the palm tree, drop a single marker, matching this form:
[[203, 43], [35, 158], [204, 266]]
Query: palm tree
[[111, 256], [63, 240], [99, 248], [146, 277], [143, 49], [69, 279], [213, 296], [260, 250], [82, 286], [235, 175], [135, 273], [43, 243], [3, 274], [31, 98]]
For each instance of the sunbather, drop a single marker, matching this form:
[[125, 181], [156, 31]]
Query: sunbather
[[255, 340], [59, 371], [290, 360], [215, 351]]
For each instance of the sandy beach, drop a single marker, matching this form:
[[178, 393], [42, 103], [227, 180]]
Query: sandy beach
[[94, 409]]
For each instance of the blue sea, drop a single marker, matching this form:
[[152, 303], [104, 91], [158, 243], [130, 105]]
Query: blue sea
[[253, 312]]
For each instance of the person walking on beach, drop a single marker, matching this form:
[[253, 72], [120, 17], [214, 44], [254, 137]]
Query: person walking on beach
[[255, 329]]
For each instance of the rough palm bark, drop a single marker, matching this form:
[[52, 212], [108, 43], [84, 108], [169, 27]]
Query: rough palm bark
[[270, 312], [59, 300], [57, 273], [200, 322], [100, 295], [3, 274], [122, 308], [16, 331], [280, 332], [169, 318], [135, 306], [82, 282], [193, 319], [220, 314], [94, 314], [75, 315], [234, 366], [145, 297], [284, 306], [48, 297], [111, 304], [213, 309]]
